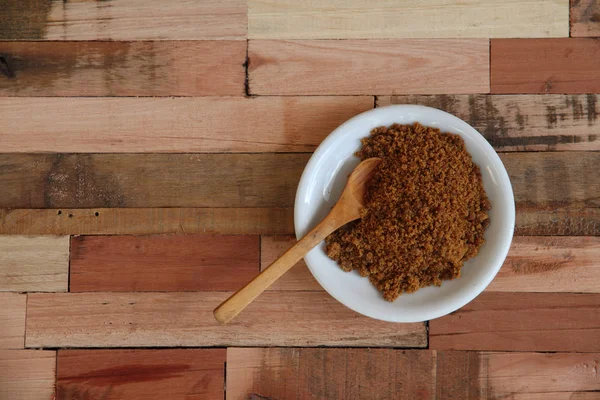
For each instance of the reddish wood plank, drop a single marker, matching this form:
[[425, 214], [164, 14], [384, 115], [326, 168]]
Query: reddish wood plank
[[198, 68], [521, 122], [304, 67], [122, 20], [12, 320], [27, 374], [521, 322], [137, 221], [585, 18], [565, 65], [186, 319], [167, 125], [172, 263], [330, 374], [140, 374]]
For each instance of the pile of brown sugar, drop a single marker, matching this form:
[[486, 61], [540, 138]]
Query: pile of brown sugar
[[425, 214]]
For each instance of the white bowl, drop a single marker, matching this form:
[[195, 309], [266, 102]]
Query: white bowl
[[324, 178]]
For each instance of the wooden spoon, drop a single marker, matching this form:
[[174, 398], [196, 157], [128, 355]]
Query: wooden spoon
[[345, 210]]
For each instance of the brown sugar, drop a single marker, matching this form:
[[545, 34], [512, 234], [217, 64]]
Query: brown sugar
[[425, 214]]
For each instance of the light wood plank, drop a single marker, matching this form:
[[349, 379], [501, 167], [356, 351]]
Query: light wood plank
[[585, 18], [138, 221], [543, 180], [344, 19], [34, 263], [198, 68], [557, 221], [255, 373], [522, 122], [173, 263], [533, 264], [566, 65], [305, 67], [123, 20], [186, 319], [521, 322], [194, 374], [230, 124], [12, 320], [27, 374], [555, 264]]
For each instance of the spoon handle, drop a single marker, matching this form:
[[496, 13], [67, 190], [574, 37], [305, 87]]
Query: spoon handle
[[231, 307]]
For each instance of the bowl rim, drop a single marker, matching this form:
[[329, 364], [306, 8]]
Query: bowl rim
[[510, 217]]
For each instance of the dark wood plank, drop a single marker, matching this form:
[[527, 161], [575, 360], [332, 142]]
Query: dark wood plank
[[305, 67], [27, 374], [564, 65], [149, 180], [122, 20], [521, 122], [186, 319], [557, 221], [194, 374], [540, 180], [180, 68], [139, 221], [521, 322], [173, 125], [585, 18], [172, 263]]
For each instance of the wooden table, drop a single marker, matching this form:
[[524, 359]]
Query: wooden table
[[149, 156]]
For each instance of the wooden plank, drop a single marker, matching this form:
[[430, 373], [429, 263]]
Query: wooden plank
[[274, 373], [420, 66], [534, 264], [299, 277], [34, 264], [193, 374], [27, 374], [149, 180], [557, 221], [198, 68], [540, 180], [585, 18], [522, 122], [12, 321], [172, 263], [521, 322], [290, 19], [186, 319], [122, 20], [138, 221], [565, 65], [230, 124], [555, 264]]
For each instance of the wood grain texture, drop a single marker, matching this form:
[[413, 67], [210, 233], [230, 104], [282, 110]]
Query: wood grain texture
[[173, 263], [186, 319], [410, 374], [329, 374], [521, 322], [149, 180], [27, 374], [194, 374], [555, 264], [122, 20], [568, 65], [305, 67], [34, 263], [184, 68], [540, 180], [557, 221], [12, 320], [228, 124], [585, 18], [340, 19], [533, 264], [522, 122]]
